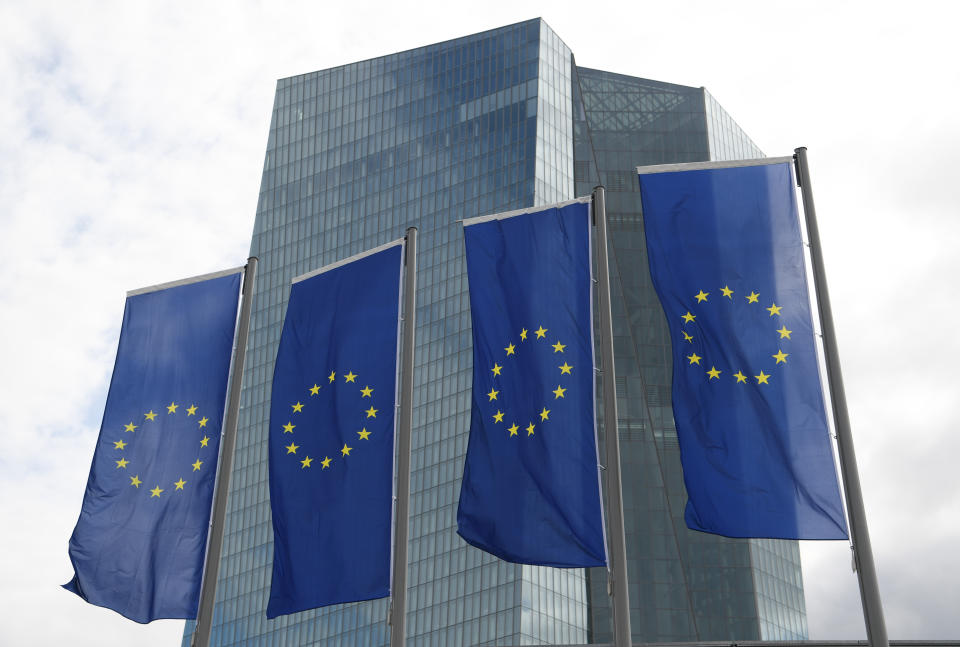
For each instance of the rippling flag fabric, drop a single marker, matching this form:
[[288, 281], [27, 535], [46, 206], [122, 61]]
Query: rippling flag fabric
[[531, 491], [139, 545], [332, 434], [727, 261]]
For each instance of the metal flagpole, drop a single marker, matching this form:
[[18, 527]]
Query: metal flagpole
[[201, 633], [398, 591], [615, 525], [859, 535]]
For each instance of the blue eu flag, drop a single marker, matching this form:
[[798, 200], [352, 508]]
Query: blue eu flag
[[138, 547], [531, 491], [727, 262], [331, 435]]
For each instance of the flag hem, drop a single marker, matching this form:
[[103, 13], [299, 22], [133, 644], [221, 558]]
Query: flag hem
[[703, 166], [186, 281], [401, 321], [519, 212], [593, 367], [349, 259]]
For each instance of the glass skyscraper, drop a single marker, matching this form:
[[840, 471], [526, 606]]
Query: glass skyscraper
[[491, 122]]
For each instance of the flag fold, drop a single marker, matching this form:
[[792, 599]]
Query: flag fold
[[139, 544], [332, 435], [727, 262], [530, 491]]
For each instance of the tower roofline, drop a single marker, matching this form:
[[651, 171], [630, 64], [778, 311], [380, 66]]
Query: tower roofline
[[439, 44], [665, 84]]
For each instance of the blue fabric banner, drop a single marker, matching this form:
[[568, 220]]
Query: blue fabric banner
[[531, 490], [727, 262], [331, 436], [139, 545]]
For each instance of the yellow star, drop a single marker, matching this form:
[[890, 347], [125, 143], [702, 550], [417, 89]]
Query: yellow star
[[523, 335], [727, 292], [530, 429], [558, 393], [325, 462], [135, 481], [774, 309], [346, 450], [513, 429], [565, 369], [172, 407], [496, 369], [196, 466], [364, 434], [155, 492], [714, 373], [150, 415], [123, 462], [510, 350], [762, 378], [701, 297], [131, 427], [694, 359], [119, 444], [203, 421], [545, 414], [306, 462], [180, 483], [687, 338], [781, 357], [752, 297], [315, 389], [371, 412], [297, 408], [366, 391], [541, 332], [204, 441], [784, 332], [492, 395], [332, 376], [350, 377], [288, 428], [687, 318], [292, 448], [558, 347], [740, 377], [498, 416], [192, 410]]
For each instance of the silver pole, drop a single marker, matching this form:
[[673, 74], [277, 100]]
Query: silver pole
[[201, 633], [615, 525], [859, 535], [398, 602]]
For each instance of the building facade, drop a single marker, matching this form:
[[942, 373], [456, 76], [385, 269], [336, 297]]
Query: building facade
[[491, 122]]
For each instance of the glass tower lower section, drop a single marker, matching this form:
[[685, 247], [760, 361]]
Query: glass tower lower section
[[491, 122]]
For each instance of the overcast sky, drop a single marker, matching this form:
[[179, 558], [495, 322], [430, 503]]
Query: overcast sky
[[132, 138]]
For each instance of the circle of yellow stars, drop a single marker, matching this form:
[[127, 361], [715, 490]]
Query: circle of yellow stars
[[714, 373], [307, 461], [149, 418], [515, 429]]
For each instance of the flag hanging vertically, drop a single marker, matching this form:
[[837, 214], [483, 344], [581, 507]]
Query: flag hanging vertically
[[332, 434], [138, 547], [531, 491], [727, 262]]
